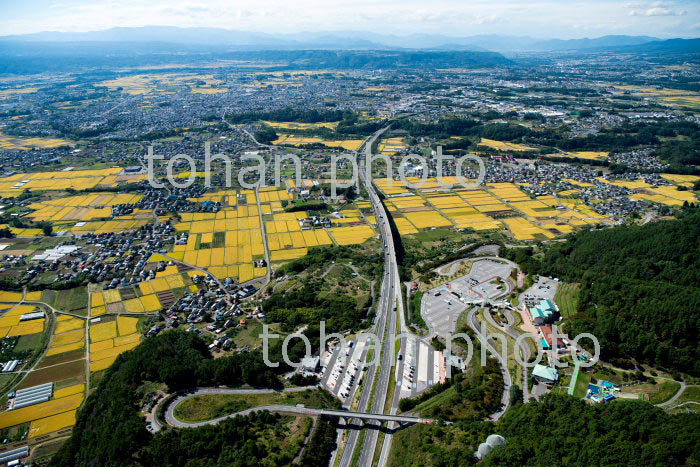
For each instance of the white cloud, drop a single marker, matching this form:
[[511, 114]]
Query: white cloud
[[659, 11], [540, 18]]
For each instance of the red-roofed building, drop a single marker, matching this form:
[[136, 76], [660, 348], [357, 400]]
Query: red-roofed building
[[546, 331]]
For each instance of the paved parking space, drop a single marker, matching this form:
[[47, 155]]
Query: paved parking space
[[440, 311], [543, 289], [343, 372], [420, 367], [442, 306]]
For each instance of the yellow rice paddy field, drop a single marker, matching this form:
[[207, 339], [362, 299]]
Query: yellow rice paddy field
[[587, 155], [505, 146], [391, 146], [10, 324], [291, 140], [301, 126], [109, 339], [164, 83], [41, 411], [493, 207], [16, 184], [53, 423], [17, 143]]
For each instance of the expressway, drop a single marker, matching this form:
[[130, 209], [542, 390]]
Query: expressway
[[376, 384]]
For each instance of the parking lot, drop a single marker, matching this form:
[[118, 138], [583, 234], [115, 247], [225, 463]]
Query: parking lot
[[543, 289], [342, 372], [419, 368], [441, 306]]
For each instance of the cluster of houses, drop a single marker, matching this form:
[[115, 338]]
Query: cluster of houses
[[309, 223]]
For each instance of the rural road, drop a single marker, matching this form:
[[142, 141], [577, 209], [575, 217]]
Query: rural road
[[675, 397]]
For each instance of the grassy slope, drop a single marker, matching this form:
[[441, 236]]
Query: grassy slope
[[206, 407]]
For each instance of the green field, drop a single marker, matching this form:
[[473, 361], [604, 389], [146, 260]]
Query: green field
[[71, 300], [205, 407], [29, 342], [250, 335], [665, 391], [582, 384], [691, 393], [435, 235], [566, 299]]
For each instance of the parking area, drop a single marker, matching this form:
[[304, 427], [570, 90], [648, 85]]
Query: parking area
[[419, 367], [543, 289], [441, 306], [341, 372]]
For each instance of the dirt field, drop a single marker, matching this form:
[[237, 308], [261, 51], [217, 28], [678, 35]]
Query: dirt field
[[54, 373]]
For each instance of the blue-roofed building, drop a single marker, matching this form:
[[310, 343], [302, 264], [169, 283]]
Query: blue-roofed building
[[544, 312]]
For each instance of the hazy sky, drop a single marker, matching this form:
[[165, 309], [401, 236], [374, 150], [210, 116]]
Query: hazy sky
[[539, 18]]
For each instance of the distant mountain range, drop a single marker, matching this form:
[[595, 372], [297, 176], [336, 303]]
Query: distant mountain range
[[339, 40]]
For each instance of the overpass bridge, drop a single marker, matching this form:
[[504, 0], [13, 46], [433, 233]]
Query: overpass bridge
[[344, 415]]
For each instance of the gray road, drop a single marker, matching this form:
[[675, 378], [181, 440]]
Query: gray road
[[524, 350], [170, 416], [680, 392], [297, 410], [385, 324], [507, 382]]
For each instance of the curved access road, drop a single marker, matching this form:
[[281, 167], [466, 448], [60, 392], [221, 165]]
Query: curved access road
[[675, 397], [170, 412], [524, 348], [297, 410], [507, 382]]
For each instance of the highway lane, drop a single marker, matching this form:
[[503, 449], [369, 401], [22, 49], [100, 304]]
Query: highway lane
[[385, 321], [388, 354]]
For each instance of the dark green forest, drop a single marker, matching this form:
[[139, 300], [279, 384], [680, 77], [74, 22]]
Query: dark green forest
[[110, 432], [640, 289], [239, 441], [559, 430]]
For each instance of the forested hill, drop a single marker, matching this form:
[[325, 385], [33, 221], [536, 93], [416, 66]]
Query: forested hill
[[109, 430], [559, 430], [640, 293], [565, 431], [18, 57]]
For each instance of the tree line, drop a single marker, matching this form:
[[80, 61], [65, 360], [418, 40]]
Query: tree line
[[640, 291]]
